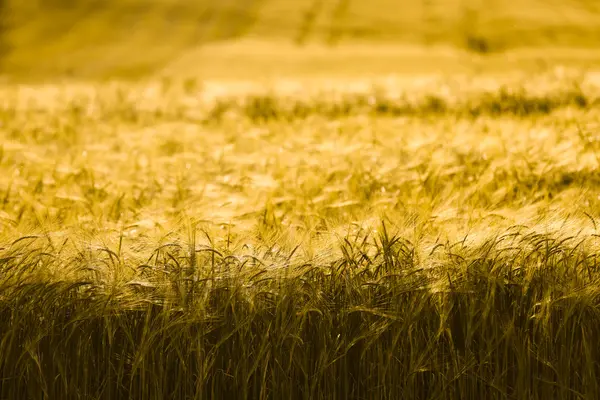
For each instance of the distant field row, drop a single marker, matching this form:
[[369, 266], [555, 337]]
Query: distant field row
[[133, 38]]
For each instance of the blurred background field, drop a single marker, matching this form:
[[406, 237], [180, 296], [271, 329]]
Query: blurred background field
[[244, 39]]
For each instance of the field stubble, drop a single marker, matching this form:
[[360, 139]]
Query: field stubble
[[167, 241]]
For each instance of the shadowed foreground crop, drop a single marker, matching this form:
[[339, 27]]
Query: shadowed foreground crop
[[165, 241]]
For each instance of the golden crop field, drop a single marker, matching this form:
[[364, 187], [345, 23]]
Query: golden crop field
[[256, 221]]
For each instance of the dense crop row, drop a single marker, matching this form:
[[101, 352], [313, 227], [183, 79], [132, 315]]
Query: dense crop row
[[156, 242]]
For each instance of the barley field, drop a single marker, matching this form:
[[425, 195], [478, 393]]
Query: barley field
[[251, 220]]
